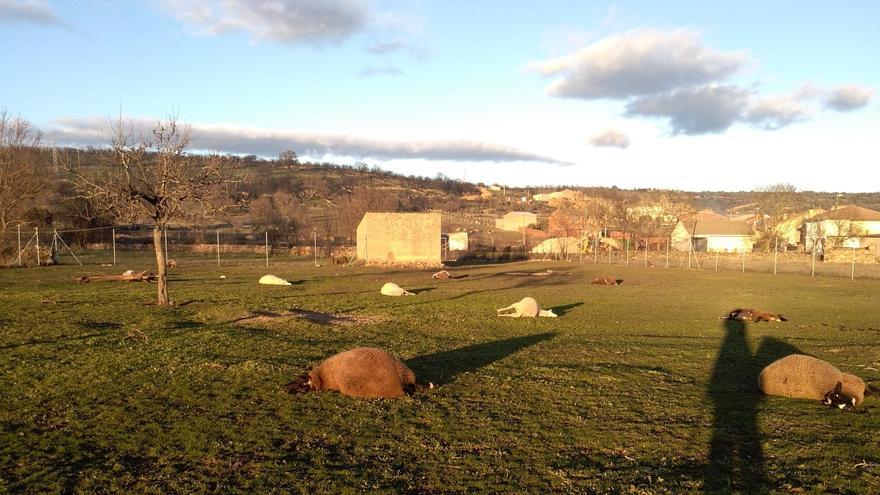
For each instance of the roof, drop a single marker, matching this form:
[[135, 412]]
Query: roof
[[849, 212], [718, 228]]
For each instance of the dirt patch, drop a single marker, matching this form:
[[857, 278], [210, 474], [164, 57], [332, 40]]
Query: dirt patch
[[318, 317]]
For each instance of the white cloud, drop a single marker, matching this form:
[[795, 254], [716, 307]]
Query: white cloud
[[638, 63], [268, 142], [776, 112], [285, 21], [610, 138], [848, 98], [384, 70], [28, 11]]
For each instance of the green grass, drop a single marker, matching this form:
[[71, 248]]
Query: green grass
[[634, 389]]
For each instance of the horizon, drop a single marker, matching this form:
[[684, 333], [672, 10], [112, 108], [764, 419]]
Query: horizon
[[620, 94]]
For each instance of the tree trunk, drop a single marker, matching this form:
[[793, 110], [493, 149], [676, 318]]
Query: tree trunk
[[162, 267]]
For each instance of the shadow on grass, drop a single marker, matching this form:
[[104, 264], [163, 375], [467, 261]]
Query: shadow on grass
[[442, 367], [736, 459], [565, 308]]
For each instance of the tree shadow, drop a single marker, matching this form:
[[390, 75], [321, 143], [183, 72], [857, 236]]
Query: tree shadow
[[565, 308], [736, 458], [442, 367], [421, 290]]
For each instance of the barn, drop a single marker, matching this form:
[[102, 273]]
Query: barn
[[399, 239]]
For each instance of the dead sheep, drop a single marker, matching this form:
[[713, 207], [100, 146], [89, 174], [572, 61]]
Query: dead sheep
[[172, 263], [442, 275], [755, 315], [273, 280], [365, 372], [392, 289], [526, 308], [606, 281], [805, 377]]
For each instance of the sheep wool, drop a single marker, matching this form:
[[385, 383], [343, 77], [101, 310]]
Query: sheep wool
[[273, 280], [527, 307], [392, 289], [364, 372], [805, 377]]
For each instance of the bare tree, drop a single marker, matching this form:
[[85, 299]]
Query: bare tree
[[154, 179], [20, 178], [774, 203]]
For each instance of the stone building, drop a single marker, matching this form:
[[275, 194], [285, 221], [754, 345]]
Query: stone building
[[399, 238]]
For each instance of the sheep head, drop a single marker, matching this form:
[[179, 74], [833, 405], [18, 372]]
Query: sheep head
[[836, 398]]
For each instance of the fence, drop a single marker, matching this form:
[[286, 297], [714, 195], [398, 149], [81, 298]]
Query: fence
[[842, 262], [114, 245]]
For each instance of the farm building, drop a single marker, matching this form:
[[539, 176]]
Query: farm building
[[846, 226], [791, 228], [559, 245], [457, 241], [556, 196], [399, 238], [725, 236], [514, 221]]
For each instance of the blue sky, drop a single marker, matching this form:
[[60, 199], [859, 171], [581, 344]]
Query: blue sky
[[685, 95]]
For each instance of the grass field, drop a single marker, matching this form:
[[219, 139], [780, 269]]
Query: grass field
[[634, 389]]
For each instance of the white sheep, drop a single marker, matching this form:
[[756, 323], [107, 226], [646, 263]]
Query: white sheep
[[526, 308], [392, 289], [273, 280], [361, 372], [805, 377]]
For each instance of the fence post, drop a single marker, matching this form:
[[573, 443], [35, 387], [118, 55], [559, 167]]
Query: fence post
[[596, 249], [744, 262], [646, 253], [267, 249], [37, 235], [716, 261], [627, 251], [852, 273], [315, 246], [775, 253], [813, 267], [609, 254], [667, 253], [19, 245], [218, 248], [113, 242]]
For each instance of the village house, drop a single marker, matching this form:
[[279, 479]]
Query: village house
[[724, 236], [846, 226], [514, 221]]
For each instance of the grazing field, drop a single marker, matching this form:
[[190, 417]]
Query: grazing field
[[637, 388]]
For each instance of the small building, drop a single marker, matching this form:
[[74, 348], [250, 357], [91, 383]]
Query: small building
[[846, 226], [457, 241], [516, 220], [560, 246], [399, 238], [558, 196], [724, 236]]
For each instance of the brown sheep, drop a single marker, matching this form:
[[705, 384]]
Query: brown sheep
[[755, 315], [606, 281], [805, 377], [442, 275], [361, 372]]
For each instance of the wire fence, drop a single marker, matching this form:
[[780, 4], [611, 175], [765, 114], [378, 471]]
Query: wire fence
[[853, 263], [116, 245]]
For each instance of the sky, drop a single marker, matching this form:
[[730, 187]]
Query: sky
[[678, 95]]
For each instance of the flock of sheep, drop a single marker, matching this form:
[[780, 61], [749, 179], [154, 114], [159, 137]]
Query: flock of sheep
[[374, 373]]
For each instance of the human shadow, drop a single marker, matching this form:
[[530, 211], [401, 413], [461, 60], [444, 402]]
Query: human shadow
[[563, 309], [442, 367], [736, 459]]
